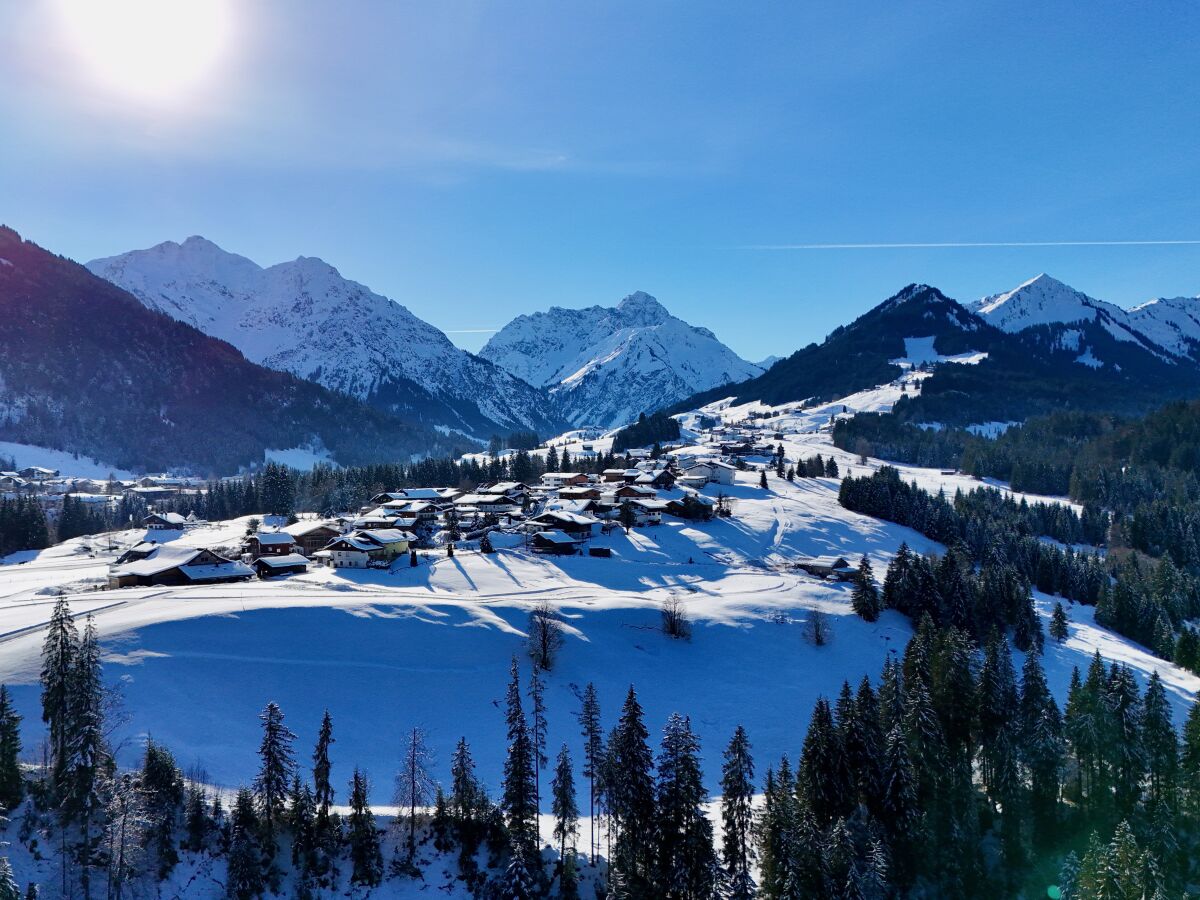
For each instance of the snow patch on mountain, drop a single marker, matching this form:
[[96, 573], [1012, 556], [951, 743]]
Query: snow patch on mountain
[[304, 317], [605, 365], [920, 350]]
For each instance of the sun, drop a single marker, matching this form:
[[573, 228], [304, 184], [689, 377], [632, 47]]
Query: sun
[[154, 50]]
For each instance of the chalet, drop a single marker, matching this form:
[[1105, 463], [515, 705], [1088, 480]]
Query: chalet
[[309, 537], [270, 543], [152, 493], [613, 475], [562, 479], [661, 478], [579, 507], [579, 492], [164, 521], [635, 492], [485, 503], [168, 564], [10, 482], [359, 549], [286, 564], [575, 524], [691, 506], [439, 497], [555, 543], [413, 512], [647, 512], [507, 488], [38, 473], [835, 567]]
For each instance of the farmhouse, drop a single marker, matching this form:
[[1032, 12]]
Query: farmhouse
[[835, 567], [270, 543], [167, 564], [361, 548], [562, 479], [309, 537], [164, 521], [574, 524]]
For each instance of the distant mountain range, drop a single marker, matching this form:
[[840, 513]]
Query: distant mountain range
[[605, 365], [86, 368], [142, 367], [1044, 345], [303, 317]]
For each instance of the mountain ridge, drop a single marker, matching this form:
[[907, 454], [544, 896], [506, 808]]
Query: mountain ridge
[[605, 365]]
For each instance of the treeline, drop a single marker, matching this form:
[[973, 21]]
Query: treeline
[[1151, 602], [656, 428], [951, 776]]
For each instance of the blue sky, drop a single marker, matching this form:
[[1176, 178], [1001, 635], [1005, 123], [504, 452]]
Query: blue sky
[[479, 160]]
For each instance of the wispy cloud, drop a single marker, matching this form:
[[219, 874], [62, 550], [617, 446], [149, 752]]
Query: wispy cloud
[[956, 244]]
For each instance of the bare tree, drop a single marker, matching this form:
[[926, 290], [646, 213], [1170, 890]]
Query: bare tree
[[415, 786], [124, 834], [675, 622], [816, 628], [545, 635]]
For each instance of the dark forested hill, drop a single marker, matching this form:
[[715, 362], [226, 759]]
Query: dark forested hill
[[1035, 371], [85, 367]]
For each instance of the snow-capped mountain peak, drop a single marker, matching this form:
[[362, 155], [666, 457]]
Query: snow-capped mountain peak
[[1042, 300], [304, 317], [604, 365]]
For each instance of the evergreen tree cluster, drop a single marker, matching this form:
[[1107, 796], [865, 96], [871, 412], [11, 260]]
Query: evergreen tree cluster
[[898, 790], [996, 556], [656, 428]]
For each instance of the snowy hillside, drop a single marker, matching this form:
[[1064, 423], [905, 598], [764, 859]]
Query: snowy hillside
[[1172, 323], [605, 365], [304, 317]]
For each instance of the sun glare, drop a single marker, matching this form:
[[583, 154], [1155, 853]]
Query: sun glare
[[149, 49]]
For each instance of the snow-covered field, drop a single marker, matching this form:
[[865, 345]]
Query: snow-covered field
[[430, 646], [68, 463]]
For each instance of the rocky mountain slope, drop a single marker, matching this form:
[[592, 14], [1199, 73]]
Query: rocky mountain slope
[[86, 368], [605, 365], [303, 317]]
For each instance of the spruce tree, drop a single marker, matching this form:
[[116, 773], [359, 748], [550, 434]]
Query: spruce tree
[[87, 761], [563, 806], [864, 599], [276, 769], [1041, 747], [322, 767], [11, 784], [366, 856], [58, 669], [822, 776], [737, 817], [519, 794], [1058, 622], [162, 792], [593, 754], [8, 882], [244, 878], [684, 861], [1160, 742], [629, 794]]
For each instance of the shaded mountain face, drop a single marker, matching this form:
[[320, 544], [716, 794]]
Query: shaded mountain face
[[85, 367], [605, 365], [1040, 347], [303, 317]]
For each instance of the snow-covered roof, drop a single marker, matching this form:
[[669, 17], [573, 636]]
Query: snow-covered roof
[[161, 558], [283, 562], [299, 529], [562, 515], [557, 537], [386, 535], [274, 538], [227, 569]]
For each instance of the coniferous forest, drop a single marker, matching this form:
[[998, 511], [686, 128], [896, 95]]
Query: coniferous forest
[[950, 774]]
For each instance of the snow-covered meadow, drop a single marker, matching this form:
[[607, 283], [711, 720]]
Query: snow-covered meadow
[[430, 646]]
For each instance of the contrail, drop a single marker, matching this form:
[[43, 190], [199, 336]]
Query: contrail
[[952, 244]]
